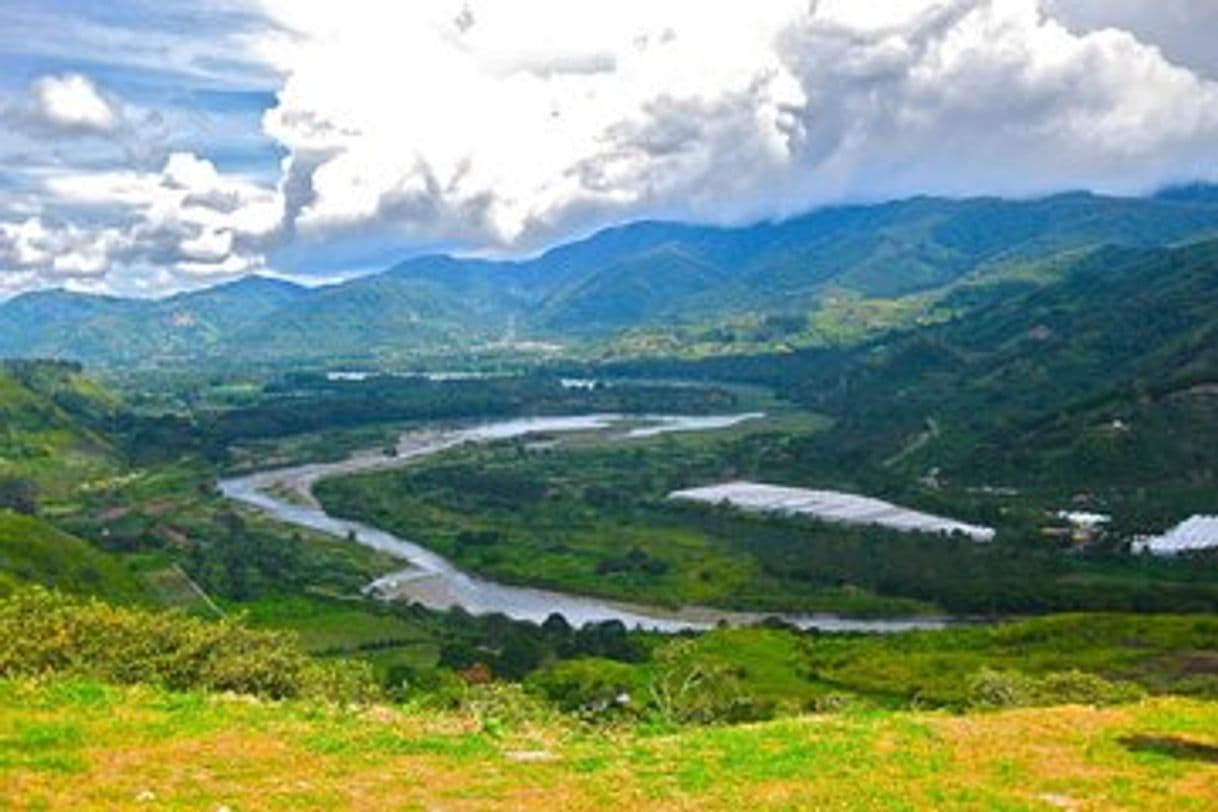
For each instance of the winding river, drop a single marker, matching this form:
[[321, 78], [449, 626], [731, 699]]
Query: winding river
[[287, 495]]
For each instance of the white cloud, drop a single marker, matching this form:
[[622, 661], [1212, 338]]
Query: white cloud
[[508, 125], [186, 218], [1183, 29], [199, 44], [34, 247], [72, 103], [187, 191], [14, 282], [498, 126]]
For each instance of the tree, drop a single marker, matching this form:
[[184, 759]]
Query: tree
[[19, 494]]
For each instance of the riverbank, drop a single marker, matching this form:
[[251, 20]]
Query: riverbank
[[434, 581]]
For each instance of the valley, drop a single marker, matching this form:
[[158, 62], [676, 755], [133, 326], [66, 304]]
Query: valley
[[465, 405], [434, 582], [641, 526]]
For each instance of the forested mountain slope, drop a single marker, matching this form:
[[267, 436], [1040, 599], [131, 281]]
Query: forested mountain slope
[[103, 329], [644, 275], [1106, 377]]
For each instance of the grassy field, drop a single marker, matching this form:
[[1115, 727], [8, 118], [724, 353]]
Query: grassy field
[[762, 672], [1160, 652], [73, 745]]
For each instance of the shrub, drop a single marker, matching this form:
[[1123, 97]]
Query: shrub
[[430, 688], [829, 703], [592, 687], [1011, 689], [634, 561], [19, 494], [989, 688], [1081, 688], [1204, 686], [502, 706], [44, 632], [687, 688]]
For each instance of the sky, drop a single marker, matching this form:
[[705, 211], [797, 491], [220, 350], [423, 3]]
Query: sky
[[153, 146]]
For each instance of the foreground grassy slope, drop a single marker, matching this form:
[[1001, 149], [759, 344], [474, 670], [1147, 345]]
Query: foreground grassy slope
[[105, 707], [74, 745]]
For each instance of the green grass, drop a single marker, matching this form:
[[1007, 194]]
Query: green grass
[[1162, 652], [170, 587], [78, 745], [357, 629], [784, 672]]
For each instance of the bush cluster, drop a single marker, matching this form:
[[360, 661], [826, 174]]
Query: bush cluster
[[44, 633], [989, 688]]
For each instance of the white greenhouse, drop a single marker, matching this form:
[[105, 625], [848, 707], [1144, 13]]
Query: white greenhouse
[[832, 506], [1195, 533]]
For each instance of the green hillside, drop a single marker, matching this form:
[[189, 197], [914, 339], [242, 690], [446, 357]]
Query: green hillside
[[908, 247], [380, 312], [95, 329], [51, 444], [634, 291], [48, 414], [34, 552], [1104, 378]]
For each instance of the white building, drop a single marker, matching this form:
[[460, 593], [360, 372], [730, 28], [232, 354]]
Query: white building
[[1089, 521], [1194, 533]]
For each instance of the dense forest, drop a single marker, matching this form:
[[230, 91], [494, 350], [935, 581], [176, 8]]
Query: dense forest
[[1102, 382]]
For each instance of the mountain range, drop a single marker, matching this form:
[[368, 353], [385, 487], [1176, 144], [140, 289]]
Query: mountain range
[[957, 254], [1106, 376]]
